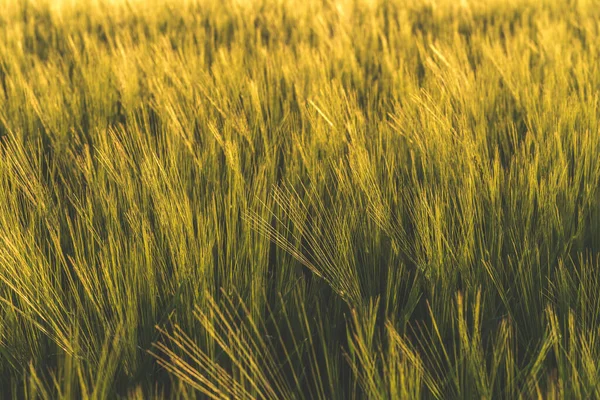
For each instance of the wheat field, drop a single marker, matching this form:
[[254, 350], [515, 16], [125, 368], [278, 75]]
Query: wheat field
[[299, 199]]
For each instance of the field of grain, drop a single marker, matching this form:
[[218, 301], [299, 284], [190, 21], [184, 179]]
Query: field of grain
[[299, 199]]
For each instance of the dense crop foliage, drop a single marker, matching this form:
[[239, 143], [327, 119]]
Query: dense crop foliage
[[279, 199]]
